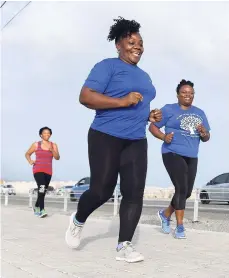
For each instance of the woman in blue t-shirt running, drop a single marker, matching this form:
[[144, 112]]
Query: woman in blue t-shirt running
[[185, 125], [121, 93]]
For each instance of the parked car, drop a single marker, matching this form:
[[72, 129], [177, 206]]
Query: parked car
[[49, 191], [61, 190], [81, 186], [11, 190], [216, 189]]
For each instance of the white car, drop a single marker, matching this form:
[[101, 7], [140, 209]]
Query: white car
[[216, 190], [11, 190]]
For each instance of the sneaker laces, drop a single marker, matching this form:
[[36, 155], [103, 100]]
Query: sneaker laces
[[166, 220], [75, 230], [128, 247], [180, 229]]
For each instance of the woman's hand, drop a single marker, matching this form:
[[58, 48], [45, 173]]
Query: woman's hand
[[132, 98], [168, 138], [155, 116], [202, 130], [204, 134]]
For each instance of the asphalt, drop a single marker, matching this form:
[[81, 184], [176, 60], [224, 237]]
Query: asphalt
[[212, 217]]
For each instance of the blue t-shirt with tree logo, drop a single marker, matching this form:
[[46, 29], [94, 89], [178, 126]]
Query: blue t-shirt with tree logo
[[183, 124]]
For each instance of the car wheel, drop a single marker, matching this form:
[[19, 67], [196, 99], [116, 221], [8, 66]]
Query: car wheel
[[204, 198]]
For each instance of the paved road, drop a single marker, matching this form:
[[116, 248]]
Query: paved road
[[35, 248]]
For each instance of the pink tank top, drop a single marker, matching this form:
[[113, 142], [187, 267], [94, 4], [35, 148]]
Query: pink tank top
[[43, 161]]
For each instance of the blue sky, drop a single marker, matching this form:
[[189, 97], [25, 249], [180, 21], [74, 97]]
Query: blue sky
[[49, 49]]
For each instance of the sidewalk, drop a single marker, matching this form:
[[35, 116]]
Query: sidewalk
[[33, 247]]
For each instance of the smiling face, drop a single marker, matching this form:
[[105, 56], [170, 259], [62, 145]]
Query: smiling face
[[130, 48], [185, 95], [45, 134]]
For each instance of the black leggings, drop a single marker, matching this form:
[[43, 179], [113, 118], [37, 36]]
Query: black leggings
[[108, 157], [182, 171], [42, 180]]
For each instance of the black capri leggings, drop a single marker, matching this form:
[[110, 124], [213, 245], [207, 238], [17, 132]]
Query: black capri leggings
[[42, 180], [108, 157], [182, 171]]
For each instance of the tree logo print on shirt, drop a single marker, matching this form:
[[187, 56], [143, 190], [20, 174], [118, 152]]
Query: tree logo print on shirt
[[189, 123]]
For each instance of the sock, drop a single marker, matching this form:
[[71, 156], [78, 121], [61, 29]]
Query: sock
[[121, 244], [119, 247], [77, 223]]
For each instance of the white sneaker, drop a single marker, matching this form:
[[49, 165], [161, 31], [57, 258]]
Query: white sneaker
[[128, 254], [73, 233]]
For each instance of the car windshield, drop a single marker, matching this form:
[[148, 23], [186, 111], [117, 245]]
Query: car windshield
[[9, 186], [68, 186]]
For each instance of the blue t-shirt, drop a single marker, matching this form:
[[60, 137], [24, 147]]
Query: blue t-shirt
[[115, 78], [183, 124]]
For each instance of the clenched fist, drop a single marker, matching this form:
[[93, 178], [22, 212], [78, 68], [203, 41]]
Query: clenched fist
[[169, 137], [155, 116], [202, 130], [132, 98]]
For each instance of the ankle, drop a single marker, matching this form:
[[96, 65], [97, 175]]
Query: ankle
[[122, 244], [119, 246], [165, 214], [77, 223], [180, 227]]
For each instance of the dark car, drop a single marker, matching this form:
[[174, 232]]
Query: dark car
[[81, 186], [49, 191], [8, 188]]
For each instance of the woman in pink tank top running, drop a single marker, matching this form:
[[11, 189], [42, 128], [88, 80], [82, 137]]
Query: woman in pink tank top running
[[42, 166]]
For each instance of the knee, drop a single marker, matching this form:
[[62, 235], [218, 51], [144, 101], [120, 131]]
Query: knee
[[132, 197], [179, 201], [42, 190], [101, 196], [188, 195]]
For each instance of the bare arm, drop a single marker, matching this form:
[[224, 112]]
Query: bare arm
[[167, 138], [30, 151], [55, 151], [93, 100], [156, 132]]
